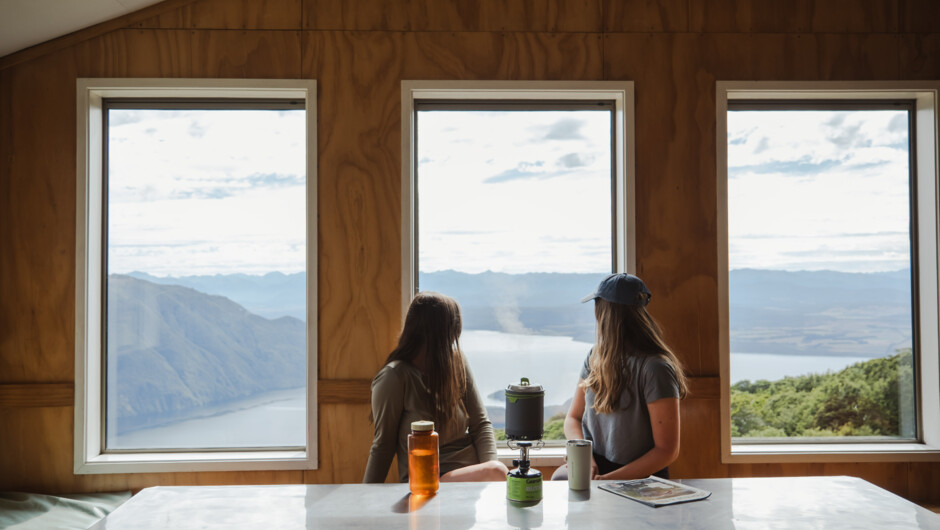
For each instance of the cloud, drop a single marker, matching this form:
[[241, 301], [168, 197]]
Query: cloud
[[791, 168], [565, 129], [196, 130], [275, 180], [524, 170], [573, 160]]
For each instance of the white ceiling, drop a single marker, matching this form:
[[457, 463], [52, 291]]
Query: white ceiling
[[24, 23]]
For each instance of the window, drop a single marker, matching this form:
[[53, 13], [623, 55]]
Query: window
[[196, 325], [515, 201], [829, 301]]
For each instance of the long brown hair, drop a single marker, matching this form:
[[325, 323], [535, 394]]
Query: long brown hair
[[622, 331], [433, 326]]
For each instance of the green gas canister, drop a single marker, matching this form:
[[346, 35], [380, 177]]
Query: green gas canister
[[524, 485]]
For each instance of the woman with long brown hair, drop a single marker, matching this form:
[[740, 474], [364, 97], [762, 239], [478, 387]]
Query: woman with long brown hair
[[627, 398], [426, 377]]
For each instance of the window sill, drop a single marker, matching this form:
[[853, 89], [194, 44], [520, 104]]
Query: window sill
[[544, 457], [863, 452], [208, 461]]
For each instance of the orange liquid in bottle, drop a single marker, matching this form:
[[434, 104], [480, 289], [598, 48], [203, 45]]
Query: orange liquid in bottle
[[423, 464]]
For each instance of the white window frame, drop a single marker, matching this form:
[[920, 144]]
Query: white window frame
[[621, 92], [89, 455], [925, 95]]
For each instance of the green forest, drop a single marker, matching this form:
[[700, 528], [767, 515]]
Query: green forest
[[871, 398]]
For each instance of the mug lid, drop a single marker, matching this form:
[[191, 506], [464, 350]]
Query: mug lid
[[524, 386]]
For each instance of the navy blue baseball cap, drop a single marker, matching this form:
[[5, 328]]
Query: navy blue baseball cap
[[621, 288]]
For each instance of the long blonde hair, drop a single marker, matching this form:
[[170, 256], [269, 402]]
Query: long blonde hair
[[624, 331], [433, 325]]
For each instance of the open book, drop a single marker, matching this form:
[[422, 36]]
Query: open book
[[655, 491]]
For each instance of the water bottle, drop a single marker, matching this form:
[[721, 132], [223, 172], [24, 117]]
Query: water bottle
[[423, 465]]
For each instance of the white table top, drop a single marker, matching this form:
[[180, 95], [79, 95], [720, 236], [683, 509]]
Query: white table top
[[800, 502]]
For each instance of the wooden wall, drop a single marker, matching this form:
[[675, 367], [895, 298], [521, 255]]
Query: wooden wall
[[359, 51]]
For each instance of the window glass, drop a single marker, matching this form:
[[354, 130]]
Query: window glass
[[205, 292], [820, 304], [514, 220]]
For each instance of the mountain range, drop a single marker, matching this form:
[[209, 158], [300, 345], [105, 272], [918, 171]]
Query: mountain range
[[178, 346], [174, 352], [782, 312]]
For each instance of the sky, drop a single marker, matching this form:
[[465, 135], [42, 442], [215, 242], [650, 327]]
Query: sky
[[206, 192], [218, 192], [815, 190], [500, 193]]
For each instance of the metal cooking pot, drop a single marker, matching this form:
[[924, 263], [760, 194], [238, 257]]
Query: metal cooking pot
[[525, 409]]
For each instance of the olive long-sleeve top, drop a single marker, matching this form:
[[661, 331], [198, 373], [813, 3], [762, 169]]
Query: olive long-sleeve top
[[399, 397]]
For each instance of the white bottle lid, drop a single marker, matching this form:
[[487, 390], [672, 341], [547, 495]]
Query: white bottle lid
[[422, 426]]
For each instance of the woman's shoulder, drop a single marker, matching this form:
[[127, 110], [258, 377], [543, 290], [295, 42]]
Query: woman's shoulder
[[652, 363], [394, 371]]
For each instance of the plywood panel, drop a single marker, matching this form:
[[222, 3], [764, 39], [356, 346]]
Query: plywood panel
[[699, 441], [246, 54], [923, 482], [646, 15], [38, 225], [676, 168], [229, 14], [133, 53], [466, 15], [919, 16], [80, 36], [795, 16], [919, 56], [888, 475], [37, 395], [345, 439], [41, 441], [360, 163]]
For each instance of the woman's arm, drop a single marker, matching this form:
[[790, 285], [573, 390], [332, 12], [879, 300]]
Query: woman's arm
[[664, 419], [574, 430], [387, 404], [479, 424]]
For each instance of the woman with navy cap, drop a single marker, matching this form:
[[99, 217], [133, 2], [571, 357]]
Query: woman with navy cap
[[627, 398]]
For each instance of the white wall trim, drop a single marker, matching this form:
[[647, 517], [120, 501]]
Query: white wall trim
[[622, 92], [928, 403], [88, 454]]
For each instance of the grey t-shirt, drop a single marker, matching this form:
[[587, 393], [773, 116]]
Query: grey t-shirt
[[625, 434]]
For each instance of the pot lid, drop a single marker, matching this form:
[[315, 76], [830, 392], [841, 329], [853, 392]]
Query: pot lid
[[524, 386]]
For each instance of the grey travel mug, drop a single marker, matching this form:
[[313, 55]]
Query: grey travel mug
[[579, 454]]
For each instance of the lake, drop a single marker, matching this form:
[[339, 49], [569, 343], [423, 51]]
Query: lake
[[496, 359], [274, 419]]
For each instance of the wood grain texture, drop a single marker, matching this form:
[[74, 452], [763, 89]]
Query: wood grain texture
[[229, 14], [465, 15], [345, 439], [37, 395], [360, 162], [795, 16], [344, 391], [919, 56], [919, 16], [674, 51], [38, 219], [646, 16], [90, 32], [246, 54]]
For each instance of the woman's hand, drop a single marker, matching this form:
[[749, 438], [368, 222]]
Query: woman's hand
[[595, 473]]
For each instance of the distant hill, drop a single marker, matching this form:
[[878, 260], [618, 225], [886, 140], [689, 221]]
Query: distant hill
[[803, 312], [179, 350], [271, 295], [820, 313]]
